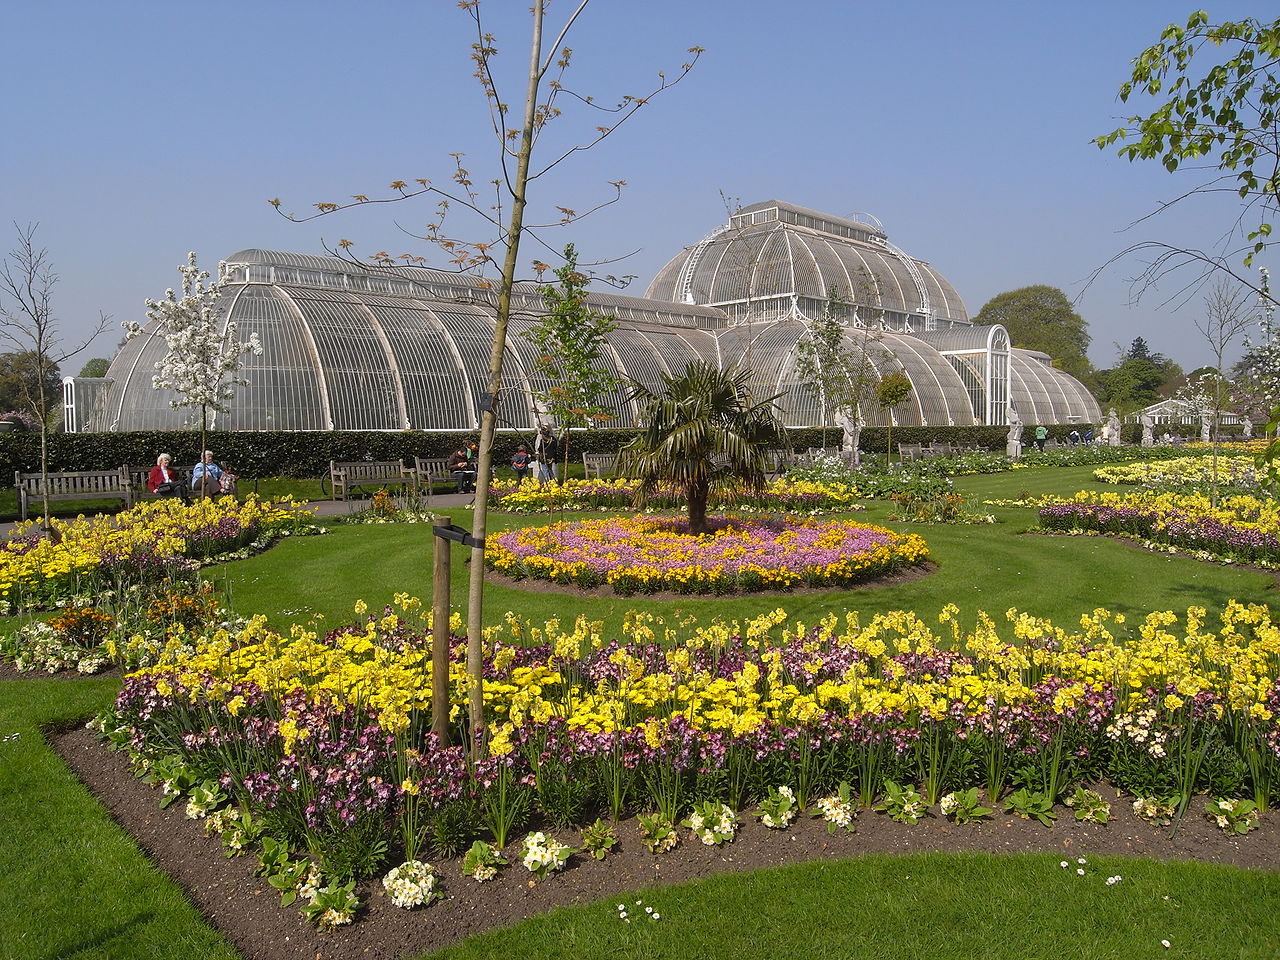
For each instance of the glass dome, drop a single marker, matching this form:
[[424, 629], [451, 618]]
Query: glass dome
[[350, 346]]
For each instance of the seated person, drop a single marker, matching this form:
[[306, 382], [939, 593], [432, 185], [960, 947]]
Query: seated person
[[463, 470], [164, 481], [206, 477], [227, 482]]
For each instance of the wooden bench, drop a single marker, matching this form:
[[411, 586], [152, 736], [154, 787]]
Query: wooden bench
[[344, 476], [432, 470], [74, 485], [597, 465]]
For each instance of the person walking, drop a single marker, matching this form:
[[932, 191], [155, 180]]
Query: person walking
[[521, 463], [1042, 437], [544, 452]]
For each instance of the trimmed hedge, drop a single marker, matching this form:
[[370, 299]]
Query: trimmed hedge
[[307, 454]]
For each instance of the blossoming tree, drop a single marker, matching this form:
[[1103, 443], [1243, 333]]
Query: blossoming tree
[[204, 355]]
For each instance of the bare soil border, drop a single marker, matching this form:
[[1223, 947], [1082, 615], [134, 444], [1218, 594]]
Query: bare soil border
[[246, 909]]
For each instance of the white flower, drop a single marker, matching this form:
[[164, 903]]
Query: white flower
[[1081, 860], [1080, 871], [1064, 864], [1165, 944]]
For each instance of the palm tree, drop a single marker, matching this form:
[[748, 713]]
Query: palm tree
[[704, 433]]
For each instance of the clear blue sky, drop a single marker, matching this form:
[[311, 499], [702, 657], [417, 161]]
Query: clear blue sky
[[136, 131]]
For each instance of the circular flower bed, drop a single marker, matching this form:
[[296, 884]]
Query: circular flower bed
[[739, 554]]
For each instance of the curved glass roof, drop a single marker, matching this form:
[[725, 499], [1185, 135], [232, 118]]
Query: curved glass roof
[[1042, 393], [778, 251], [350, 346]]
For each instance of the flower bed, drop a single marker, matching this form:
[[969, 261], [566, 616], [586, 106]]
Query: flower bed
[[323, 743], [647, 554], [1240, 472], [1238, 529], [779, 496], [151, 541]]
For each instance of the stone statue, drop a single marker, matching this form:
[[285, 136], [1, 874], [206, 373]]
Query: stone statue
[[852, 427], [1013, 443], [1204, 426], [1246, 428], [1148, 426], [1111, 431]]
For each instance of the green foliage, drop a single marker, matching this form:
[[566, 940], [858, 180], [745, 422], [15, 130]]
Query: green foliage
[[1137, 378], [97, 367], [962, 806], [902, 802], [1042, 318], [1031, 805], [1088, 806], [21, 377], [704, 433], [598, 839], [835, 363], [570, 339], [893, 389], [1225, 117]]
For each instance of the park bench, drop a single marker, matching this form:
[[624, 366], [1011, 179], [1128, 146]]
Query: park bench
[[433, 470], [74, 485], [597, 465], [347, 476]]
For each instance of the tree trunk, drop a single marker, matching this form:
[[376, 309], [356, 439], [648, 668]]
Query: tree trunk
[[488, 419], [698, 494]]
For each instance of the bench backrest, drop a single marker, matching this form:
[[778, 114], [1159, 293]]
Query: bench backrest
[[75, 481], [368, 469], [598, 464], [433, 467]]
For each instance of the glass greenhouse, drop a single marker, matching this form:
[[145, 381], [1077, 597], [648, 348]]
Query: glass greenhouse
[[348, 346]]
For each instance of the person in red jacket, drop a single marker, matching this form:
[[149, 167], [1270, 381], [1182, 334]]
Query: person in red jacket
[[164, 481]]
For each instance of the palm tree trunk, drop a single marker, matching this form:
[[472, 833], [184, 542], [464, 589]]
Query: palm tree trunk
[[698, 492]]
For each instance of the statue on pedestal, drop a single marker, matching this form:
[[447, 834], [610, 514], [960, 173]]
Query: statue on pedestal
[[1111, 429], [1148, 435], [852, 427], [1204, 426], [1013, 443]]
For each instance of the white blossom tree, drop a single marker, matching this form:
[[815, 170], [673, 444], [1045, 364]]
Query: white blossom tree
[[204, 357]]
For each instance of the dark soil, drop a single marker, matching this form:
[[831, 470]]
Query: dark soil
[[246, 909], [9, 672]]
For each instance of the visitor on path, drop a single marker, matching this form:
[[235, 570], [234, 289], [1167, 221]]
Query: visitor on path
[[521, 463], [206, 477], [1074, 437], [544, 452], [463, 470], [1042, 436], [164, 481]]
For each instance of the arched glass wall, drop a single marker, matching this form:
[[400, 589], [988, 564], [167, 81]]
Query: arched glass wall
[[347, 346]]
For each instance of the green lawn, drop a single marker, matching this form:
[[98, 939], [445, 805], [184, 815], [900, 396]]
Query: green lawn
[[77, 887], [990, 567], [932, 907]]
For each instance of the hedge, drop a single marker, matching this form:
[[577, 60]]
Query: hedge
[[307, 454]]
